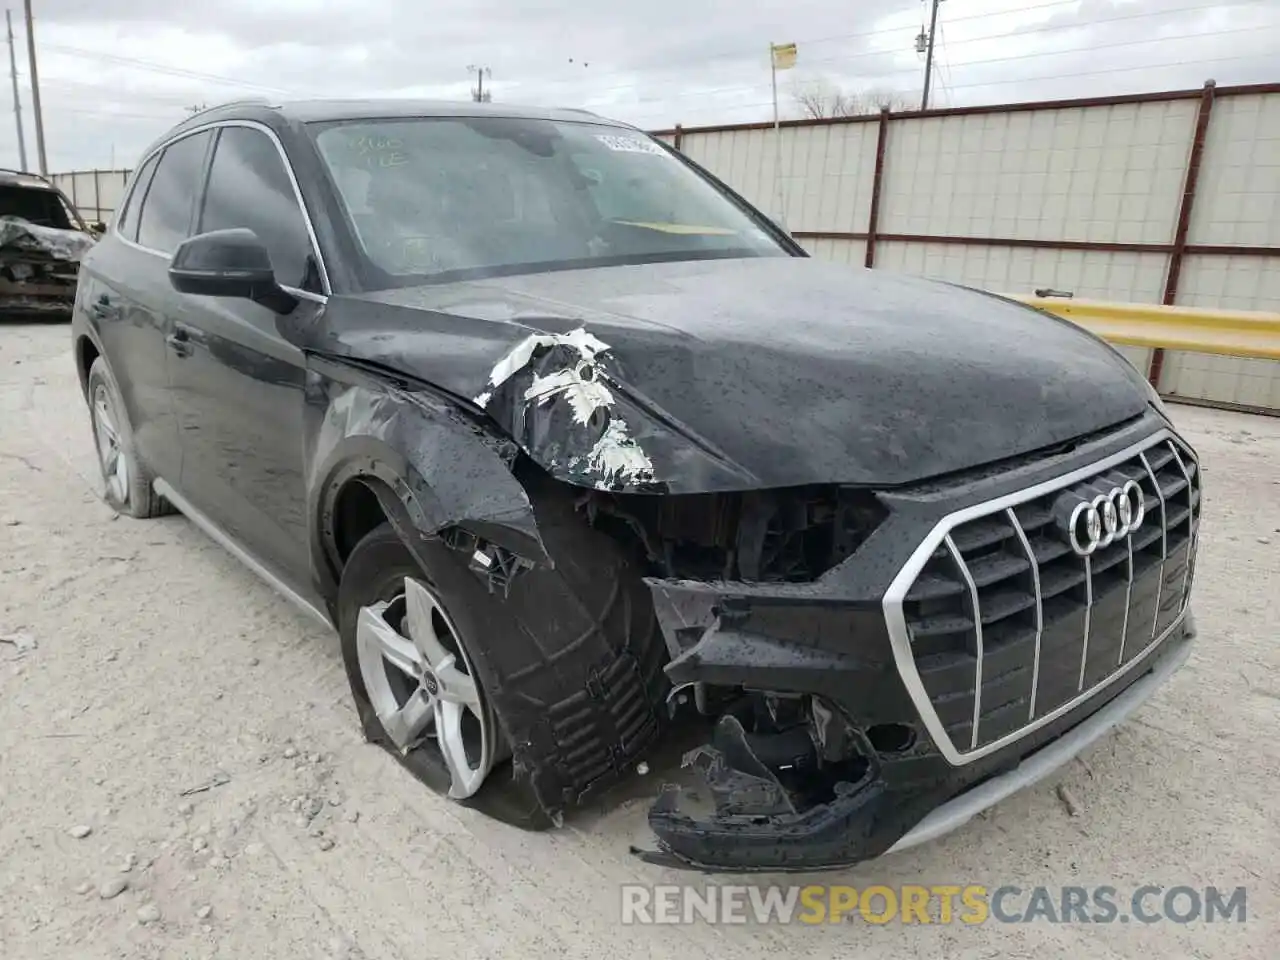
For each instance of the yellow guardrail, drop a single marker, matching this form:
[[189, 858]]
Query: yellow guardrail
[[1237, 333]]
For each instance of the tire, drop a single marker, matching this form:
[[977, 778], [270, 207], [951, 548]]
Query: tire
[[375, 574], [128, 485]]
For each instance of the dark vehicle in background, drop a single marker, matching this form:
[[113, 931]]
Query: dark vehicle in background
[[42, 239], [578, 451]]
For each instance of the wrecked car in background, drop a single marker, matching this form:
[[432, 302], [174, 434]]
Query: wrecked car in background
[[579, 453], [42, 239]]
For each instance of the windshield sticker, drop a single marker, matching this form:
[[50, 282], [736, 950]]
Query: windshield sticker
[[630, 144]]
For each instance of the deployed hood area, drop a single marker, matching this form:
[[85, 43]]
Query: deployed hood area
[[743, 374]]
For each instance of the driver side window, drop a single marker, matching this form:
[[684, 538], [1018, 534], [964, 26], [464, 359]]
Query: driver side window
[[250, 187]]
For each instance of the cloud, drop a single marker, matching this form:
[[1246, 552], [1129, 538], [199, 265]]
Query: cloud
[[116, 73]]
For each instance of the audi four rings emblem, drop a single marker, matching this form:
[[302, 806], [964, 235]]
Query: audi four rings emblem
[[1110, 515]]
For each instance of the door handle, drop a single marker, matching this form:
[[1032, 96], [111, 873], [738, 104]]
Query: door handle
[[179, 341], [103, 309]]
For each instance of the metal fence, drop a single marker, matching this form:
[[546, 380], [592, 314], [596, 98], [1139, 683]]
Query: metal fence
[[1163, 198], [96, 193]]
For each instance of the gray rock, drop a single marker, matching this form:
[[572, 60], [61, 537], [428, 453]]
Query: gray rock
[[83, 887], [110, 889], [351, 816], [326, 843], [199, 844], [80, 831], [203, 913], [148, 913], [130, 861], [290, 752]]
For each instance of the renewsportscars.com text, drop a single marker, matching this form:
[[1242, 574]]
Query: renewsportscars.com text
[[935, 903]]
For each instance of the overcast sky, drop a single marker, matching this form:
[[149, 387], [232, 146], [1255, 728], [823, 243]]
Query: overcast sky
[[114, 74]]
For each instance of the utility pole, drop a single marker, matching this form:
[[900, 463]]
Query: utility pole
[[17, 100], [35, 90], [479, 94], [926, 40]]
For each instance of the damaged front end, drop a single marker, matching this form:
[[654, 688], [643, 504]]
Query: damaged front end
[[834, 721], [39, 267]]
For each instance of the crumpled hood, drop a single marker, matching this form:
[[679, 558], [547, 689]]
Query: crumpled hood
[[737, 374], [18, 234]]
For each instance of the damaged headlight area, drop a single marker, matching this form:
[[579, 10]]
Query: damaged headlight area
[[782, 765]]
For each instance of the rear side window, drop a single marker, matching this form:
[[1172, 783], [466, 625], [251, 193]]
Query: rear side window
[[250, 187], [167, 208], [127, 221]]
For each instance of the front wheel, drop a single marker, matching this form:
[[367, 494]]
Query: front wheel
[[405, 649]]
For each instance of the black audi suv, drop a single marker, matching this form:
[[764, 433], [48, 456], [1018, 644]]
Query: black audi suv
[[579, 452]]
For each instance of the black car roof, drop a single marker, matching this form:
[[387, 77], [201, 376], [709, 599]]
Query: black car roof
[[313, 111], [16, 178]]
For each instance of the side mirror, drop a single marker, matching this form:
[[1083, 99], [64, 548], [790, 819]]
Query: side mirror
[[98, 227], [229, 263]]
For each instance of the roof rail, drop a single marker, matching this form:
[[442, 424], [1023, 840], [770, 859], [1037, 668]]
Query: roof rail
[[25, 173], [241, 101]]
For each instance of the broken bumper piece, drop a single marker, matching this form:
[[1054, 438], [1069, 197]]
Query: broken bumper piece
[[758, 820]]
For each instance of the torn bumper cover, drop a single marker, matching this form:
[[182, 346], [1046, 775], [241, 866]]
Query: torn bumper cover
[[879, 793], [39, 266]]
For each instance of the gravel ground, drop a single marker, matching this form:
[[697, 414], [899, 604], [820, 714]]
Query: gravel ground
[[161, 666]]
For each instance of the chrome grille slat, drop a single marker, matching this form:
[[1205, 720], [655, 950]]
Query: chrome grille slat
[[977, 636], [1128, 599], [1164, 541], [1191, 525], [1088, 619], [1017, 606], [1035, 582]]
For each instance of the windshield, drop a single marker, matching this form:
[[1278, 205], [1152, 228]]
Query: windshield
[[464, 197]]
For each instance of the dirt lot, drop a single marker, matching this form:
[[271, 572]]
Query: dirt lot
[[160, 665]]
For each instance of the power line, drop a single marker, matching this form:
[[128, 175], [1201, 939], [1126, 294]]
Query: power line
[[902, 32], [746, 88], [1058, 76], [154, 67]]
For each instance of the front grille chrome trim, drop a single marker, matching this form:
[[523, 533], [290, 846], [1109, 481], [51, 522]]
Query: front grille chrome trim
[[1128, 598], [1035, 583], [1191, 521], [1088, 620], [1164, 541], [895, 596], [977, 635]]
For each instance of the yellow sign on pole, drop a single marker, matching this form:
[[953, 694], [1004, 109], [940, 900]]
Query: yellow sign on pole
[[784, 55]]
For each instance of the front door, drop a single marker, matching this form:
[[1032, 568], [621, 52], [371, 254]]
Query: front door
[[237, 384]]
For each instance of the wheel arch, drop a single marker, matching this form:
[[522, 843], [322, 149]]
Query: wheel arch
[[387, 456], [86, 351]]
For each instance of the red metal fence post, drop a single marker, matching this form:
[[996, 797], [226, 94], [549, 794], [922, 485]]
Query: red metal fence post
[[877, 178], [1185, 204]]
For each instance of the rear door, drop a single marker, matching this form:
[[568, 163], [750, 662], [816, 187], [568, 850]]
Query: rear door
[[237, 384], [127, 298]]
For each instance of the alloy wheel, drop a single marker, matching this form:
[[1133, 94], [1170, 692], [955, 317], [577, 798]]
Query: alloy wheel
[[112, 458], [422, 687]]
